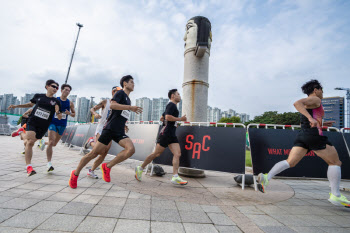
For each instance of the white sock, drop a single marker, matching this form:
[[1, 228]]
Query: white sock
[[49, 164], [334, 176], [278, 168], [176, 175], [29, 165]]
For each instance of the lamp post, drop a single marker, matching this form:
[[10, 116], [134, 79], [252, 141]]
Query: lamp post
[[347, 103], [75, 45]]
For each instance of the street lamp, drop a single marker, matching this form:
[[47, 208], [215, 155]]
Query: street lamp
[[80, 26], [347, 103]]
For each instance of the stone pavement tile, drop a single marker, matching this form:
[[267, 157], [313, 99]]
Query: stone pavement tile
[[138, 203], [95, 191], [132, 226], [249, 210], [19, 203], [194, 217], [307, 229], [47, 206], [166, 215], [227, 229], [220, 219], [31, 186], [318, 202], [52, 187], [77, 208], [97, 224], [306, 210], [116, 193], [168, 227], [5, 199], [292, 202], [62, 222], [136, 213], [317, 221], [46, 231], [7, 213], [189, 206], [36, 194], [342, 211], [211, 209], [160, 204], [26, 219], [290, 220], [335, 229], [10, 184], [15, 192], [106, 211], [14, 230], [271, 209], [139, 196], [263, 220], [112, 201], [199, 228], [78, 190], [92, 199], [340, 220], [273, 229], [62, 197], [102, 185]]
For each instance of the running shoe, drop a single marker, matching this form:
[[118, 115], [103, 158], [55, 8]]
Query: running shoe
[[73, 180], [16, 133], [30, 171], [92, 174], [23, 152], [339, 201], [178, 180], [87, 144], [263, 181], [42, 144], [105, 172], [138, 173], [50, 169]]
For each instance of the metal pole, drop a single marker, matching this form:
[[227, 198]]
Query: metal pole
[[76, 41]]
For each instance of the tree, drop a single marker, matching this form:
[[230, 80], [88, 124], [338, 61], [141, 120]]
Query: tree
[[233, 119], [19, 120], [272, 117]]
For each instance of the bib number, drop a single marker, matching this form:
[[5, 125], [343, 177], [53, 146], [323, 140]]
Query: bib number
[[42, 113], [126, 114]]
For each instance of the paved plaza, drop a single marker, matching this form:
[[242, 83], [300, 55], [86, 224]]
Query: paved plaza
[[45, 203]]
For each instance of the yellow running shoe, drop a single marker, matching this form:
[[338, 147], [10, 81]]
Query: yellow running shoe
[[339, 201], [177, 180]]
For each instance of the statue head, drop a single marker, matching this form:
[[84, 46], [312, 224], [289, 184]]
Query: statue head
[[198, 33]]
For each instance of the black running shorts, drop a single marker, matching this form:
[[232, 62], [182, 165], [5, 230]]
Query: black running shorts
[[39, 132], [108, 135], [165, 140], [311, 140]]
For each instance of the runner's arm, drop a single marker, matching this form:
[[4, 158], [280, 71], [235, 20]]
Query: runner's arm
[[308, 103], [172, 118], [27, 113], [72, 110], [58, 113], [27, 105], [93, 110], [117, 106]]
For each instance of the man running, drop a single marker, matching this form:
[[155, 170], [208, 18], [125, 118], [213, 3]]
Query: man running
[[113, 130], [311, 138], [106, 111], [167, 137], [57, 126], [39, 120]]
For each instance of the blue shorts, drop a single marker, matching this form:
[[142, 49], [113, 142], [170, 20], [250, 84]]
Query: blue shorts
[[57, 128]]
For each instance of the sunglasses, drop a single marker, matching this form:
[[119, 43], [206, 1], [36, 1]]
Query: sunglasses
[[54, 86]]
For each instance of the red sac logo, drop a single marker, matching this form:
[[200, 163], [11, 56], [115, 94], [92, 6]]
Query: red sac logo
[[197, 146]]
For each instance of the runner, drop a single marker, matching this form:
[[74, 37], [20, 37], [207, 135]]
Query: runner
[[113, 130], [311, 138], [40, 118], [106, 111], [167, 137], [57, 126]]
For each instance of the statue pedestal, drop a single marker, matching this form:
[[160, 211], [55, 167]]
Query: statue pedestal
[[190, 172]]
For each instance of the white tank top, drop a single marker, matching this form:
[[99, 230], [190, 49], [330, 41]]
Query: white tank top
[[105, 114]]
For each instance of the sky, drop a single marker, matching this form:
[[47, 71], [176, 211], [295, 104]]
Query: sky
[[262, 51]]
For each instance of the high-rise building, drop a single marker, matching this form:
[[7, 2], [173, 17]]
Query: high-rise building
[[7, 100], [73, 99], [158, 108], [146, 104], [216, 114], [209, 114], [179, 106], [24, 100], [244, 117], [83, 109], [334, 110]]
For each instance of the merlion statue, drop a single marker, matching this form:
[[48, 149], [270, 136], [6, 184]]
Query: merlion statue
[[198, 40]]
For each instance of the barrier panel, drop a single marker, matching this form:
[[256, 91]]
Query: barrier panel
[[209, 148], [143, 136], [66, 133], [80, 135], [71, 134], [269, 146]]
